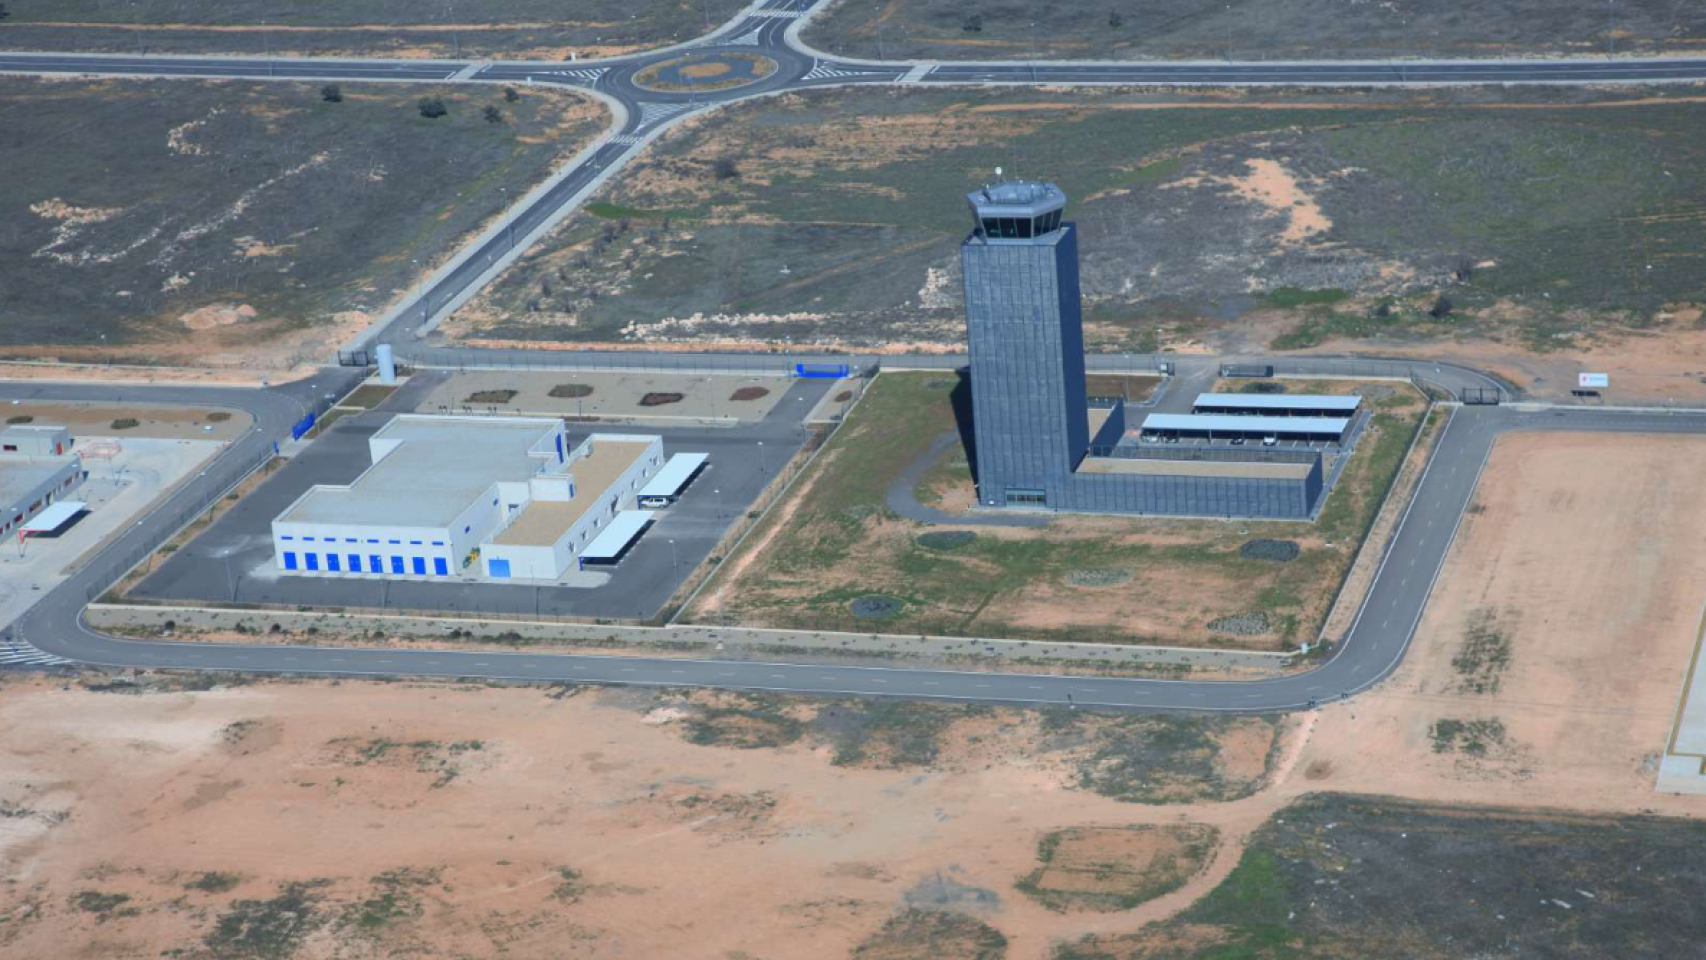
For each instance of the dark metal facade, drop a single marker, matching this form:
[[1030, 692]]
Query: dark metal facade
[[1030, 419]]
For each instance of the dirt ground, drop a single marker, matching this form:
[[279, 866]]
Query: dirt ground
[[1556, 641], [161, 422], [611, 396], [318, 818], [322, 817]]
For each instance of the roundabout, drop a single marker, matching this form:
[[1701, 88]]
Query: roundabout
[[697, 72]]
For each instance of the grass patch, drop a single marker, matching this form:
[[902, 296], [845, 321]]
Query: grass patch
[[1290, 298], [570, 391], [214, 881], [1482, 657], [1476, 738], [933, 935], [492, 397], [841, 544], [368, 395], [104, 906], [271, 928], [746, 723], [606, 210], [125, 423], [1341, 876], [1112, 869]]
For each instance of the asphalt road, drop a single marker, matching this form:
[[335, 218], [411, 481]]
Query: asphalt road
[[1373, 647]]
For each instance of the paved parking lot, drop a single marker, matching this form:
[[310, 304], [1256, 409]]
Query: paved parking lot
[[233, 559]]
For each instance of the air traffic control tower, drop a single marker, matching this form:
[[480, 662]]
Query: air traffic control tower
[[1040, 443]]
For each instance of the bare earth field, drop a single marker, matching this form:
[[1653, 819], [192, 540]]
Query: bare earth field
[[834, 545], [1495, 795], [1220, 221], [525, 29], [245, 225], [1248, 29], [1549, 660], [151, 420], [332, 820]]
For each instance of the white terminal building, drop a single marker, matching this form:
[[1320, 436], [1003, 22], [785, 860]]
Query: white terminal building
[[38, 470], [498, 497]]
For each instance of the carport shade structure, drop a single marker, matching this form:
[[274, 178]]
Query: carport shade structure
[[52, 518], [1216, 427], [674, 476], [609, 546], [1270, 405]]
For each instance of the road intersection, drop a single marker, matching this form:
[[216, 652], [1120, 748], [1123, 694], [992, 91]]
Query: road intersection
[[1372, 648]]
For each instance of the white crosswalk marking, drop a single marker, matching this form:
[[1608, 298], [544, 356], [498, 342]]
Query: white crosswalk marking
[[21, 653], [627, 139], [748, 39], [779, 14], [589, 75], [829, 71], [656, 112]]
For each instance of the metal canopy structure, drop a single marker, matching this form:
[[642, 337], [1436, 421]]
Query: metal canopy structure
[[609, 546], [52, 518], [674, 475], [1231, 426], [1234, 403]]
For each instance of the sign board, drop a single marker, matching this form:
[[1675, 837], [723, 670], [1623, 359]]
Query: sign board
[[1592, 381]]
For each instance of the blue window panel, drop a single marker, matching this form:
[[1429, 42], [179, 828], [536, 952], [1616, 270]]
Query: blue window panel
[[309, 539], [440, 566], [397, 565], [351, 540], [312, 559], [332, 563], [414, 543], [438, 543], [287, 538], [499, 568], [494, 501], [375, 564], [373, 541], [289, 560], [420, 566], [395, 542], [355, 563], [468, 528], [559, 448]]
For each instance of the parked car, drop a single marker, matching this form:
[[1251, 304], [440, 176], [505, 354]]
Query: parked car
[[1270, 441]]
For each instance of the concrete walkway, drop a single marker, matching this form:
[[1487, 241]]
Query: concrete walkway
[[902, 496]]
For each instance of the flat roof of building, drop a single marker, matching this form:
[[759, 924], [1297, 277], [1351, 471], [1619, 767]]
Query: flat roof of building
[[441, 467], [543, 522], [674, 474], [1269, 401], [18, 478], [1221, 423], [1242, 469], [616, 537], [31, 430]]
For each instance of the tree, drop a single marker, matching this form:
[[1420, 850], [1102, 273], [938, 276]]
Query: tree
[[1441, 308], [331, 94], [493, 114], [432, 108], [1115, 21], [725, 168], [4, 13], [1464, 270], [510, 95], [973, 24]]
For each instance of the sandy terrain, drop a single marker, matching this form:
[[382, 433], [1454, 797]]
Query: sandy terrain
[[1585, 558], [537, 824], [484, 797]]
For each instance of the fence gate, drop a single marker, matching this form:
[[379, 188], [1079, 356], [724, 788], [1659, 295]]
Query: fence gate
[[1481, 396]]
